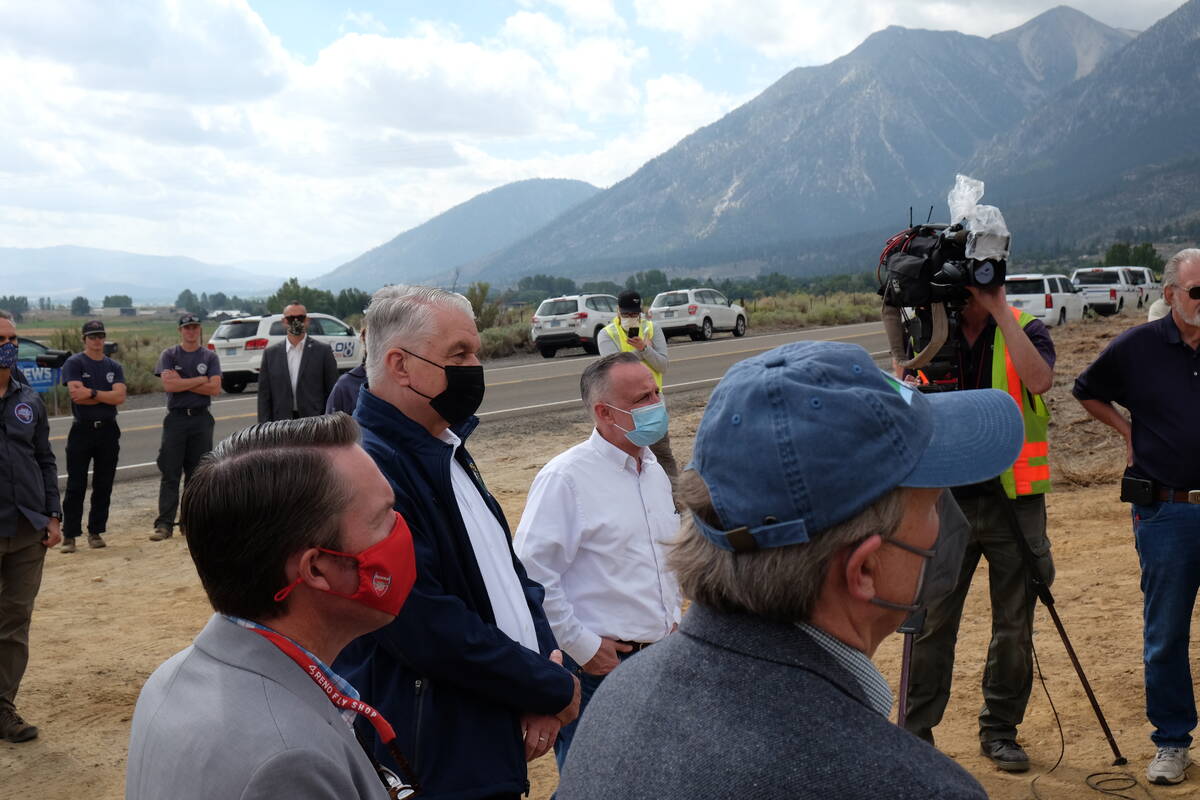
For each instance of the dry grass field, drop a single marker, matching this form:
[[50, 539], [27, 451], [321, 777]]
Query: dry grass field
[[105, 619]]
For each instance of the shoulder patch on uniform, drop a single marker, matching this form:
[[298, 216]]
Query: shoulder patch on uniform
[[24, 413]]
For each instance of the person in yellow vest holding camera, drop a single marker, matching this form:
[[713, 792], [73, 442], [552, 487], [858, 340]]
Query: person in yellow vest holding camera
[[1003, 348], [631, 332]]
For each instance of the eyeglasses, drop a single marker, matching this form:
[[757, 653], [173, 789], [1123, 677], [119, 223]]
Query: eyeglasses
[[94, 336], [1193, 292], [297, 318]]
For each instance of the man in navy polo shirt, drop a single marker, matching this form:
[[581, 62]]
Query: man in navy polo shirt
[[1154, 371], [191, 377], [97, 386]]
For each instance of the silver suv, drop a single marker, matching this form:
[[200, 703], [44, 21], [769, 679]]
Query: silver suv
[[696, 312], [239, 344], [572, 321]]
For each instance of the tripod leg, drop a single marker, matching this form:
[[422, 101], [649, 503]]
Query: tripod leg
[[1043, 593]]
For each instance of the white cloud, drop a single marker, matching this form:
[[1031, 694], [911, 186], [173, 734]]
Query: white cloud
[[361, 21], [817, 31], [209, 51], [590, 15]]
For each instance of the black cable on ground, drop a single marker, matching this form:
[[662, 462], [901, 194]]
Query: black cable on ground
[[1109, 784]]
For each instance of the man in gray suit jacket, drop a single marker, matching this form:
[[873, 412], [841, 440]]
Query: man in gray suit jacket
[[297, 374], [295, 569], [814, 498]]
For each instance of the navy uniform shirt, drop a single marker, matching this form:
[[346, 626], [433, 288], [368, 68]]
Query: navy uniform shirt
[[99, 375], [1151, 371], [201, 362], [28, 474], [975, 362]]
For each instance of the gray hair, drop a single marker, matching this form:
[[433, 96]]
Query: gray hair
[[777, 583], [6, 314], [399, 316], [262, 494], [593, 383], [1171, 272]]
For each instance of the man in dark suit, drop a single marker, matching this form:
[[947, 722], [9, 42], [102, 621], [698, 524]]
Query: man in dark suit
[[815, 498], [297, 374]]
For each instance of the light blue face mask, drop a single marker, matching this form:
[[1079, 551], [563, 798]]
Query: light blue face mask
[[649, 423]]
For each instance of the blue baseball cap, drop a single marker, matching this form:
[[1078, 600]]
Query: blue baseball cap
[[802, 437]]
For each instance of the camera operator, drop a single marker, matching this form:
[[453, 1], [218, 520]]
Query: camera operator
[[998, 347]]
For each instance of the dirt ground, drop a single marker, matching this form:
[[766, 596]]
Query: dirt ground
[[105, 619]]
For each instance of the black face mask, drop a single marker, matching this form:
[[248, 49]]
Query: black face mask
[[462, 395]]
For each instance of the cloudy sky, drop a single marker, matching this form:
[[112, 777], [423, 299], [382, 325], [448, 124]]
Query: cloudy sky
[[305, 130]]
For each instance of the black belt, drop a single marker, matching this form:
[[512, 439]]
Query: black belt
[[188, 412], [637, 646], [94, 424], [1177, 495]]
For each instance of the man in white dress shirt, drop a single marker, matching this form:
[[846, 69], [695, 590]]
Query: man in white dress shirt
[[594, 527]]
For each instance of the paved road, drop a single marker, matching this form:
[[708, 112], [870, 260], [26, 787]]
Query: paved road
[[522, 388]]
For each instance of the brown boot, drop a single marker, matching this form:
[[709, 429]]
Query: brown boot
[[68, 545], [95, 541], [13, 728]]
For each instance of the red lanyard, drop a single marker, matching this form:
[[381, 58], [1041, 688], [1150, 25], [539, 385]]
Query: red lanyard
[[386, 733]]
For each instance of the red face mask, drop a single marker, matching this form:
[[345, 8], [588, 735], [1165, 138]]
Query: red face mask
[[386, 572]]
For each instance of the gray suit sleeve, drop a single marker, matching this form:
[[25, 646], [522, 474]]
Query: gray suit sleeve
[[264, 387], [302, 774], [655, 353]]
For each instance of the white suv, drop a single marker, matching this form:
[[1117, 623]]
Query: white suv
[[696, 312], [1050, 298], [572, 321], [239, 344]]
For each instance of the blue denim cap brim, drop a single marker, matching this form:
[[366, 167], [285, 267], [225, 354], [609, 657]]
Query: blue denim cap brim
[[977, 434], [807, 435]]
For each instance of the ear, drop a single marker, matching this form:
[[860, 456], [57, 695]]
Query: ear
[[1169, 295], [308, 569], [397, 365], [861, 569], [602, 413]]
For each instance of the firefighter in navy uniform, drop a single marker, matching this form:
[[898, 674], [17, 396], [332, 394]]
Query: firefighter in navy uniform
[[97, 386], [29, 524]]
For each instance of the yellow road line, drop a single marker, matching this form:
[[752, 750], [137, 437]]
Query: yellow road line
[[156, 427], [694, 358]]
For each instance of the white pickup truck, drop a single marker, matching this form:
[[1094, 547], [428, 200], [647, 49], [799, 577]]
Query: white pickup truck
[[1107, 290]]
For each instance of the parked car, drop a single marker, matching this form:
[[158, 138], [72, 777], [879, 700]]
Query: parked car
[[696, 312], [1106, 290], [1051, 298], [571, 321], [1149, 289], [239, 344]]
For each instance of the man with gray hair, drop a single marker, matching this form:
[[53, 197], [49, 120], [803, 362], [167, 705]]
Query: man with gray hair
[[595, 527], [1152, 370], [467, 673], [813, 531]]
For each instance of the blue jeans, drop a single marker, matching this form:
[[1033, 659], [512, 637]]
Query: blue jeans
[[1167, 536], [588, 684]]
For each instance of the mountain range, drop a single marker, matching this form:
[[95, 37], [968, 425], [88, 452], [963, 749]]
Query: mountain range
[[467, 232], [808, 175], [1076, 127]]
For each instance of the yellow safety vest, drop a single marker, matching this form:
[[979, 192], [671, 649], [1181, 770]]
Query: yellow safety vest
[[1031, 472], [645, 332]]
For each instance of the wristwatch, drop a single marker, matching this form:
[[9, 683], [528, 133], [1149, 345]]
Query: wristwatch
[[54, 515], [93, 394]]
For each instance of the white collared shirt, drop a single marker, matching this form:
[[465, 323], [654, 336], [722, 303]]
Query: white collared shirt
[[593, 534], [490, 543], [295, 352]]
